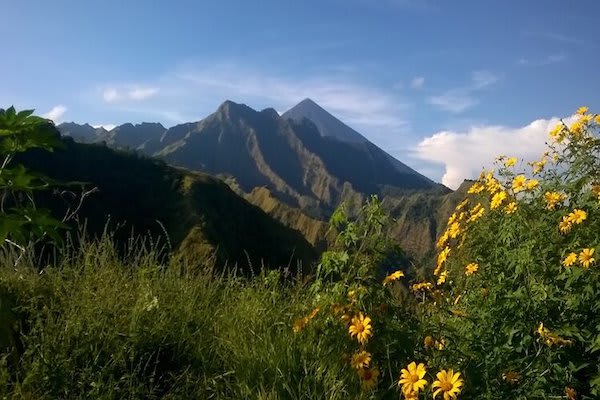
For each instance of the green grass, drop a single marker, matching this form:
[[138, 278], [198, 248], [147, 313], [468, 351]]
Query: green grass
[[99, 326]]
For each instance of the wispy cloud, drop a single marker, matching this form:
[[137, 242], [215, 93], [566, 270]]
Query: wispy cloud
[[114, 94], [482, 144], [457, 100], [192, 91], [548, 60], [417, 82], [56, 113], [557, 37]]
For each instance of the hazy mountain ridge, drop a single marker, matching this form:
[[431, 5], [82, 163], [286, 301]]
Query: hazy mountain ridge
[[296, 169]]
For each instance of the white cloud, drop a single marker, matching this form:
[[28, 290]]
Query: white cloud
[[417, 82], [108, 127], [128, 93], [56, 113], [464, 154], [548, 60], [460, 99]]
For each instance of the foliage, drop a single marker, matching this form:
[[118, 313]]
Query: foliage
[[21, 222], [522, 321]]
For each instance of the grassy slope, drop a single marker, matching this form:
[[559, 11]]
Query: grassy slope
[[200, 213]]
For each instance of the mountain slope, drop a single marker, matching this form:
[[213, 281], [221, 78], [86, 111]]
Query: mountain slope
[[201, 214]]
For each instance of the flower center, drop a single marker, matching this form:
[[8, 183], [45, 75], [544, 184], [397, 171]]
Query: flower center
[[446, 386], [359, 327]]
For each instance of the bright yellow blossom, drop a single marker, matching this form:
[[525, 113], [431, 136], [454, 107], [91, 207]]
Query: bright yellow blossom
[[476, 188], [597, 119], [510, 162], [442, 277], [582, 110], [570, 259], [394, 276], [448, 383], [552, 199], [476, 213], [565, 225], [532, 184], [586, 257], [577, 216], [497, 200], [471, 268], [412, 377], [361, 328], [360, 359], [443, 256], [510, 207], [557, 133], [417, 287], [519, 183]]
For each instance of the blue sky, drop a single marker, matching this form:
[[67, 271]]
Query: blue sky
[[425, 80]]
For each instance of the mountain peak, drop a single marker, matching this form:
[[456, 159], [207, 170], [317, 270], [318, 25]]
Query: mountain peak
[[328, 125]]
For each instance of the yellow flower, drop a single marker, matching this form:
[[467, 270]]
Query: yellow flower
[[300, 324], [586, 257], [411, 378], [443, 255], [448, 383], [313, 313], [570, 393], [492, 183], [519, 183], [596, 190], [442, 240], [532, 184], [417, 287], [557, 132], [368, 377], [476, 213], [577, 216], [570, 259], [597, 119], [582, 110], [442, 277], [510, 207], [538, 166], [476, 188], [510, 162], [462, 204], [565, 225], [394, 276], [577, 127], [428, 342], [361, 359], [497, 200], [361, 328], [471, 268], [410, 394], [511, 377], [552, 199]]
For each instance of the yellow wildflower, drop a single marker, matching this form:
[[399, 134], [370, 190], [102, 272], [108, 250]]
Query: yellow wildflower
[[394, 276], [360, 359], [565, 225], [532, 184], [552, 199], [300, 324], [368, 377], [510, 162], [428, 342], [417, 287], [448, 383], [570, 259], [412, 377], [582, 110], [586, 257], [538, 166], [570, 393], [471, 268], [497, 200], [597, 119], [557, 132], [361, 328], [476, 213], [511, 377], [462, 204], [443, 255], [442, 240], [492, 184], [519, 183], [510, 207], [442, 277], [454, 230], [476, 188], [577, 216]]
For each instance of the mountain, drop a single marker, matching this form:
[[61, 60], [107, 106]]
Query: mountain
[[126, 136], [330, 126], [298, 167], [327, 124], [200, 213], [83, 133]]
